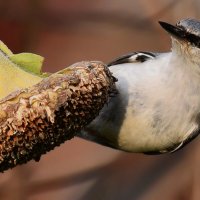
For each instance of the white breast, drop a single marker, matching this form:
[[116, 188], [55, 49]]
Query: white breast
[[152, 110]]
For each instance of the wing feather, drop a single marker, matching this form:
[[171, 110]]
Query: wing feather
[[133, 58]]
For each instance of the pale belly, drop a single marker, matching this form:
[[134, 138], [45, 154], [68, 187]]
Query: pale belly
[[151, 111]]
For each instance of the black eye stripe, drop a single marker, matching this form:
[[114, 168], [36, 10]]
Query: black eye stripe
[[190, 37], [193, 39]]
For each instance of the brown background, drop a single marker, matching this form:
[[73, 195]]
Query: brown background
[[65, 32]]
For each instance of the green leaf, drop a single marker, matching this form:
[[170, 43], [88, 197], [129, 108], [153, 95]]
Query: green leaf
[[18, 71], [28, 61], [5, 49]]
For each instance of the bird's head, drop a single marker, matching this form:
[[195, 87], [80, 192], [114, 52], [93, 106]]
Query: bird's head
[[185, 38]]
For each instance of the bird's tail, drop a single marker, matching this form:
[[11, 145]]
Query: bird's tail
[[95, 137]]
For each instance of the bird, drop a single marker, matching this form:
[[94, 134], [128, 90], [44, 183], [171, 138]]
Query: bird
[[156, 108]]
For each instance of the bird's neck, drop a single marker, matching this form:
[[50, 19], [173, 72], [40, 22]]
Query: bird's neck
[[182, 58]]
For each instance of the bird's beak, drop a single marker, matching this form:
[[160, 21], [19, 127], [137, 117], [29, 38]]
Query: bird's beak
[[173, 30]]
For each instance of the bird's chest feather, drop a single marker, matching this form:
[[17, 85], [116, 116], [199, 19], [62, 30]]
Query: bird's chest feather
[[161, 107]]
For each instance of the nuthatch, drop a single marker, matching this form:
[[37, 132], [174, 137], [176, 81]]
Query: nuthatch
[[157, 106]]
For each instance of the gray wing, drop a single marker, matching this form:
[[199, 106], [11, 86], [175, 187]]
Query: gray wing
[[134, 57]]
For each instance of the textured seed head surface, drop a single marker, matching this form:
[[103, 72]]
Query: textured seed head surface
[[35, 120]]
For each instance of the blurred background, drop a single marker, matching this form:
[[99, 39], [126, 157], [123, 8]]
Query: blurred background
[[65, 32]]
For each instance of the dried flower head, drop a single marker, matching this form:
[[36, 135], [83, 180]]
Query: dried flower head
[[35, 120]]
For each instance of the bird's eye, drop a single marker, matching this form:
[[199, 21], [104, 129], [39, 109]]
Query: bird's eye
[[193, 39], [198, 43]]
